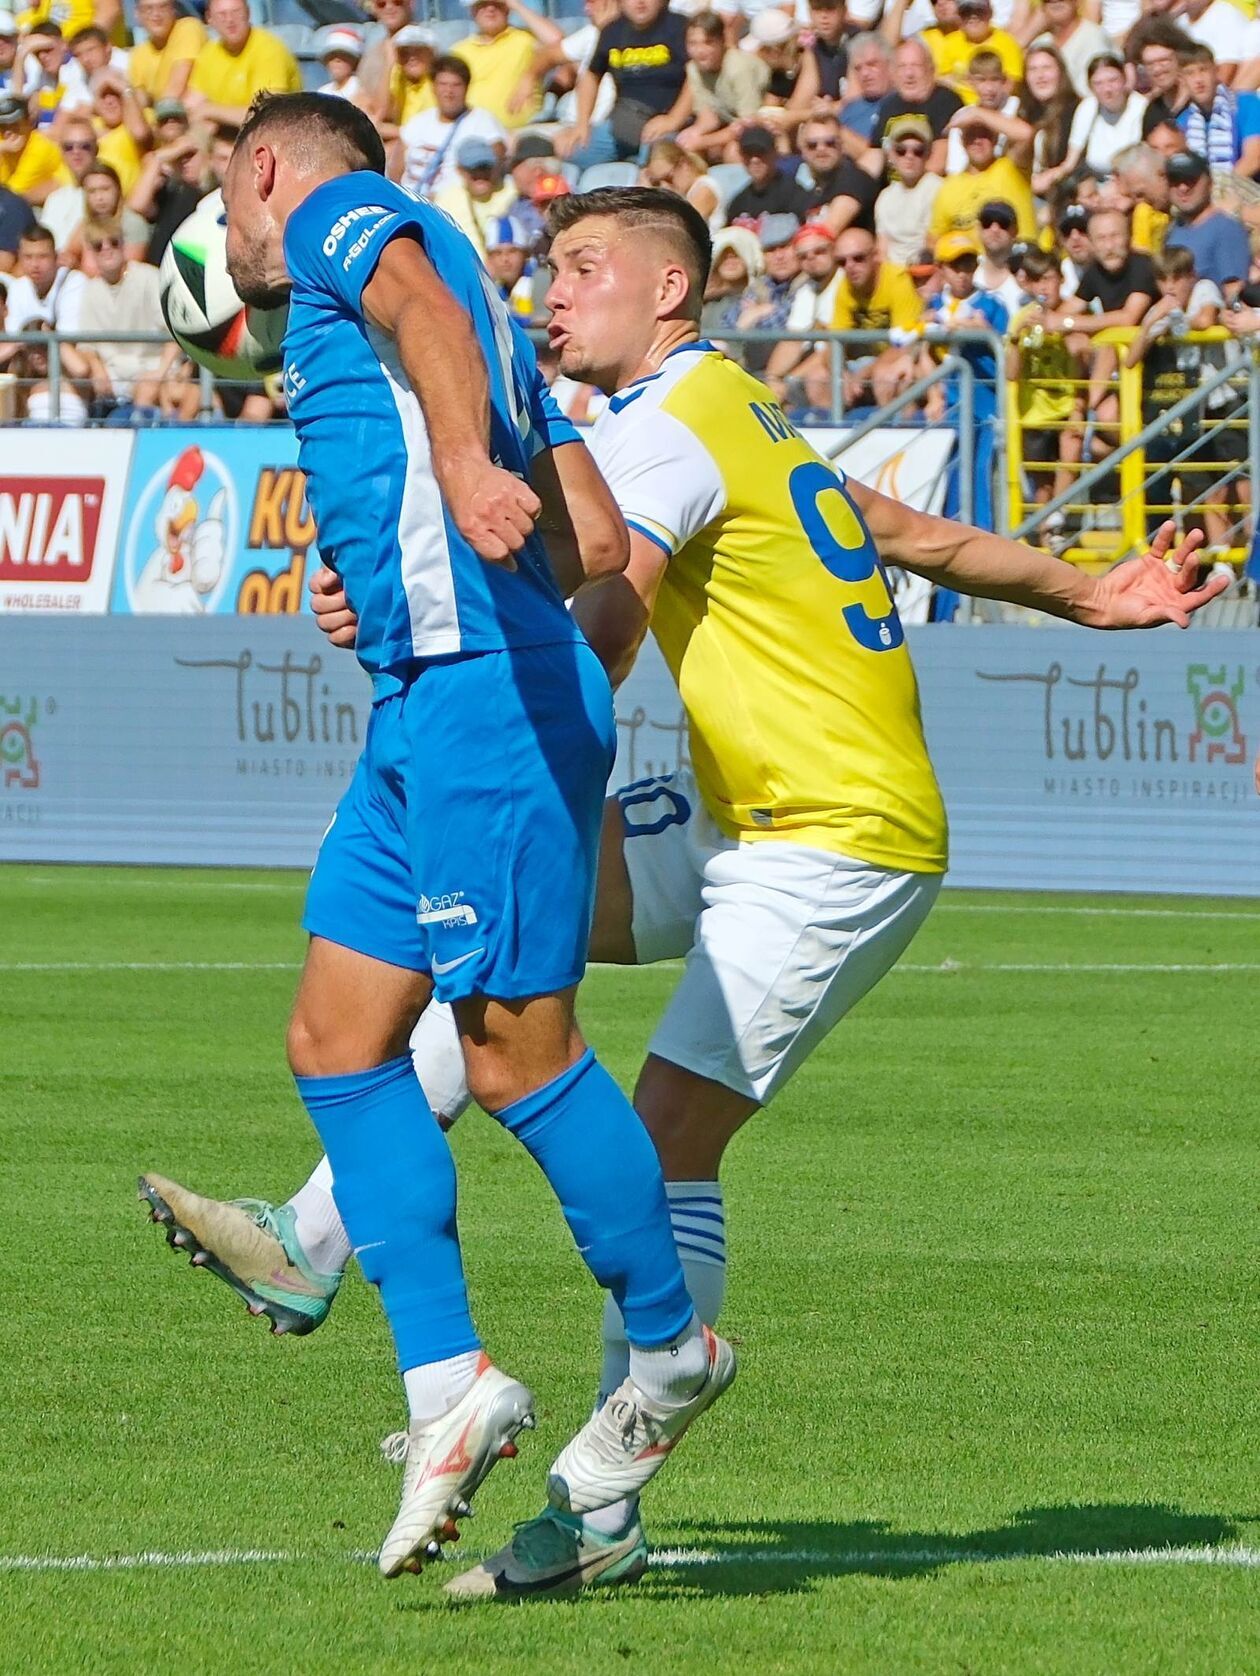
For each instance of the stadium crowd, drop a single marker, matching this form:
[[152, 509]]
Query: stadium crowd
[[1073, 183]]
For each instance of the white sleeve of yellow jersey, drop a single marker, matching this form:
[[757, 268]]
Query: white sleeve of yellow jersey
[[663, 478]]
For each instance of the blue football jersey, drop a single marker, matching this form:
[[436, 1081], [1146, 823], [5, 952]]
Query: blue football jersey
[[420, 590]]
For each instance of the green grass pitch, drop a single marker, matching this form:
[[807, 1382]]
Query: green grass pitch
[[993, 1286]]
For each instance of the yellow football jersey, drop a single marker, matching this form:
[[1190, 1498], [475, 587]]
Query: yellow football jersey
[[774, 617]]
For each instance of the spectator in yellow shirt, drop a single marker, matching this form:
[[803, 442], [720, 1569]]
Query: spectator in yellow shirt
[[242, 62], [70, 15], [123, 134], [986, 177], [953, 52], [501, 59], [30, 164], [874, 296], [410, 87], [160, 67]]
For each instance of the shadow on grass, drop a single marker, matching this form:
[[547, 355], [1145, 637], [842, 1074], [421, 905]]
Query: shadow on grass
[[775, 1558]]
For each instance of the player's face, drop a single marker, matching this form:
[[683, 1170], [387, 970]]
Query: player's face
[[606, 300], [255, 258]]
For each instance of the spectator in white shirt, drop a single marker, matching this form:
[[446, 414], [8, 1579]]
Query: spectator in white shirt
[[340, 51], [997, 222], [122, 298], [903, 210], [1218, 25], [1105, 123], [430, 140], [1078, 39], [42, 290], [63, 209]]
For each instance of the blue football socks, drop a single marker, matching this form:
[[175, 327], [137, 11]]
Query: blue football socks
[[394, 1184], [587, 1140]]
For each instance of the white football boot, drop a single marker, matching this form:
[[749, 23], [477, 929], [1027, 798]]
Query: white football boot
[[627, 1441], [446, 1460]]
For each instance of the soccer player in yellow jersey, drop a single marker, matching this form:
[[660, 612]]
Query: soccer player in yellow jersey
[[796, 862]]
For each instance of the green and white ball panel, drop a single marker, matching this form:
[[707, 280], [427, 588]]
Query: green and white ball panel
[[205, 316]]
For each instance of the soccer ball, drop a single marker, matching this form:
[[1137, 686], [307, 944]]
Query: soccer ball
[[205, 316]]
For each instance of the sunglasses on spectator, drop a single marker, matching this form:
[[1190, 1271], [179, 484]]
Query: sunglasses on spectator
[[908, 148], [1007, 226], [104, 244], [820, 145], [78, 145], [857, 261]]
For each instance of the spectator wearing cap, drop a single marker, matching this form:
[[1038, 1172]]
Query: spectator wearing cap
[[813, 305], [1106, 122], [16, 216], [1073, 231], [825, 62], [903, 210], [1078, 39], [773, 39], [408, 89], [1219, 242], [30, 163], [172, 183], [123, 297], [1209, 117], [243, 61], [644, 50], [1216, 24], [727, 87], [874, 295], [43, 289], [868, 84], [500, 57], [737, 261], [533, 168], [765, 304], [161, 65], [427, 154], [340, 52], [994, 276], [959, 307], [769, 190], [507, 260], [480, 193], [985, 178], [64, 208], [996, 108], [916, 92]]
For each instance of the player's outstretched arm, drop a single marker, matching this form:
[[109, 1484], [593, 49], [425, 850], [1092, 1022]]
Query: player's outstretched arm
[[614, 613], [584, 531], [493, 510], [1146, 592]]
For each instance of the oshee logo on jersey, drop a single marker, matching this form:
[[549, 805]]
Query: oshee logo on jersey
[[378, 216]]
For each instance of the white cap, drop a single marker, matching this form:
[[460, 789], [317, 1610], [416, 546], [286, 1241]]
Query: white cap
[[8, 24], [770, 28], [341, 39], [413, 35]]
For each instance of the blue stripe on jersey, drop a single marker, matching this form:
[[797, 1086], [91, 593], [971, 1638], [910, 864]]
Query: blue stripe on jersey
[[652, 536], [419, 588]]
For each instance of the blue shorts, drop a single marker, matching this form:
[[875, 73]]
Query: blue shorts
[[467, 843]]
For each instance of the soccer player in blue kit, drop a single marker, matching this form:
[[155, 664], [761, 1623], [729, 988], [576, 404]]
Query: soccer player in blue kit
[[461, 861]]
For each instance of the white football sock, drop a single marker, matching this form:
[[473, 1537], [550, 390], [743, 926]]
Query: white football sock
[[671, 1374], [439, 1061], [697, 1218], [317, 1226], [434, 1388]]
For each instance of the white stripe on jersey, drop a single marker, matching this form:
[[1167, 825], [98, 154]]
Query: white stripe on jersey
[[428, 576]]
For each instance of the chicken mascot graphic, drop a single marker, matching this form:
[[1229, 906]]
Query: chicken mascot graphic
[[186, 567]]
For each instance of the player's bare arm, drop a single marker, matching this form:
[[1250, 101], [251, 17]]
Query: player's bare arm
[[580, 522], [493, 510], [614, 613], [1157, 588]]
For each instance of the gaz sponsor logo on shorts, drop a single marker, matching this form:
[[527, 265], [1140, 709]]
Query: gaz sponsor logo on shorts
[[449, 909]]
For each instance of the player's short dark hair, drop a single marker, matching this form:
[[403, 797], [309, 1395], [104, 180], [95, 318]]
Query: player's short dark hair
[[449, 65], [309, 124], [651, 207]]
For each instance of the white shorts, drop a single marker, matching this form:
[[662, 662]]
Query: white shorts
[[780, 939]]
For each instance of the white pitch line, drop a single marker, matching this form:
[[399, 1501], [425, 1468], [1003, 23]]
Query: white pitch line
[[148, 966], [947, 967], [668, 1559]]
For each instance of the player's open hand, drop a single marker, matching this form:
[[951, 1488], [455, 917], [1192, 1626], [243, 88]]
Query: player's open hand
[[332, 608], [493, 510], [1160, 587]]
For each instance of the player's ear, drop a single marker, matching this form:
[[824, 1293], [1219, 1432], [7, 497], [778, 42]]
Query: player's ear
[[263, 164], [675, 288]]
